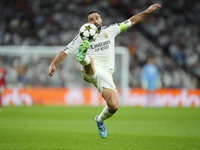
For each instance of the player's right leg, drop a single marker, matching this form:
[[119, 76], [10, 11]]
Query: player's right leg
[[82, 51], [85, 60]]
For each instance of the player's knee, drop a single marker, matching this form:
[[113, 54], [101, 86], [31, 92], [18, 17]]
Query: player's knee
[[114, 107]]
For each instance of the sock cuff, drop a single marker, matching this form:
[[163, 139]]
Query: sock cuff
[[99, 123], [105, 114], [107, 109], [86, 61]]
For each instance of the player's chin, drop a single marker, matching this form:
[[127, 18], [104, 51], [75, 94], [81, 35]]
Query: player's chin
[[99, 27]]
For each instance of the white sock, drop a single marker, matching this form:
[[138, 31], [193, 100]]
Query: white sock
[[105, 114], [86, 61]]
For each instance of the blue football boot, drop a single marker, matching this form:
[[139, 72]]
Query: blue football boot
[[102, 128]]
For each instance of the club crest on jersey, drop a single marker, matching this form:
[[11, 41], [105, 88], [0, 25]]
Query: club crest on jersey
[[106, 35]]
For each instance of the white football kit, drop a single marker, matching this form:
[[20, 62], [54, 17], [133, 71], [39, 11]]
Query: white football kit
[[102, 51]]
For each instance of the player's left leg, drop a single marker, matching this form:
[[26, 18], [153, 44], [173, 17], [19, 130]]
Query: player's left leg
[[112, 101], [102, 79], [111, 98]]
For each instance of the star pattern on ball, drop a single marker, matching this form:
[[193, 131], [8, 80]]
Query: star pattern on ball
[[88, 27], [81, 34], [90, 37], [88, 32]]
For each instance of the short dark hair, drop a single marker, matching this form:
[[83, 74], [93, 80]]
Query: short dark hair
[[91, 12]]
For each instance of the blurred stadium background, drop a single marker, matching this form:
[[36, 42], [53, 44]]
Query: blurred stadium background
[[171, 34]]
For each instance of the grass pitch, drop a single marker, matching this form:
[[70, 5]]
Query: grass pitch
[[73, 128]]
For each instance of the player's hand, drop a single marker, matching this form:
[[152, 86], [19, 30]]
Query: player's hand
[[153, 7], [51, 71]]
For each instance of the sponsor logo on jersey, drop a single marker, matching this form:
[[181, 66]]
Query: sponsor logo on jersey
[[106, 35], [100, 46]]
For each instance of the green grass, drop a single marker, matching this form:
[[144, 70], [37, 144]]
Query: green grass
[[73, 128]]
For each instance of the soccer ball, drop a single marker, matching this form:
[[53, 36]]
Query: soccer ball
[[88, 32]]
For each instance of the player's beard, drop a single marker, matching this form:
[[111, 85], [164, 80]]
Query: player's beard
[[98, 26]]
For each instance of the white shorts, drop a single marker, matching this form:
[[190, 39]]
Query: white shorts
[[102, 78]]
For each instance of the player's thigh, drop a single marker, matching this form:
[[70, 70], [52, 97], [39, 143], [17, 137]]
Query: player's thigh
[[90, 68], [111, 97]]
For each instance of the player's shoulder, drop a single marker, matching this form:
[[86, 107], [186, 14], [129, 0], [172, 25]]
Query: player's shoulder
[[110, 26]]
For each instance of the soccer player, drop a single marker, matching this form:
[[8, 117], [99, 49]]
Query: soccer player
[[97, 60], [2, 82], [150, 80]]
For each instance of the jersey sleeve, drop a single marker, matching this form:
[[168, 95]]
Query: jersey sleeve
[[73, 45], [115, 29], [125, 25], [120, 27]]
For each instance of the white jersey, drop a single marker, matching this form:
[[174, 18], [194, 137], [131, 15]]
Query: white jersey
[[102, 50]]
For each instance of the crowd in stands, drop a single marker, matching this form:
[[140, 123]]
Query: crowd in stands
[[171, 34]]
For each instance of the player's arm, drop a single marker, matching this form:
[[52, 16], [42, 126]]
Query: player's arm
[[136, 18], [59, 57], [70, 48]]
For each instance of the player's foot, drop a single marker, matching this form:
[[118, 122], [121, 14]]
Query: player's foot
[[102, 128], [82, 51]]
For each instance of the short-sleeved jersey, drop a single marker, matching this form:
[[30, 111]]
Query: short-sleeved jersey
[[102, 50]]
